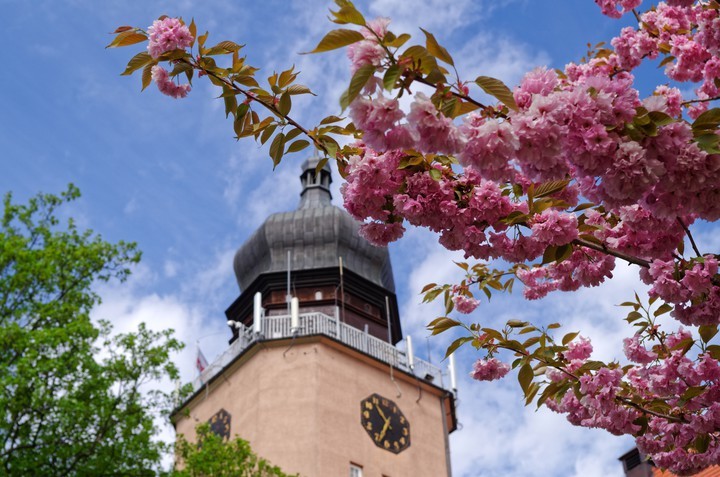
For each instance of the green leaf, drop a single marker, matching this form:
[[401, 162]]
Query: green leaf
[[147, 76], [321, 163], [563, 252], [202, 39], [525, 377], [702, 443], [230, 102], [348, 14], [223, 48], [428, 287], [399, 41], [633, 315], [357, 83], [435, 174], [496, 88], [517, 323], [532, 392], [660, 119], [391, 76], [456, 344], [267, 132], [298, 145], [193, 31], [276, 149], [662, 309], [709, 120], [421, 58], [550, 188], [550, 391], [137, 62], [708, 142], [442, 324], [292, 134], [549, 255], [337, 39], [284, 104], [331, 119], [666, 60], [431, 295], [592, 366], [692, 392], [713, 351], [126, 38], [299, 89], [707, 332], [569, 337], [435, 49]]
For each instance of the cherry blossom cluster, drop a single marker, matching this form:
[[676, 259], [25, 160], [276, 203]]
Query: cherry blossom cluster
[[166, 85], [687, 31], [692, 390], [369, 51], [489, 369], [635, 159], [689, 286], [166, 35]]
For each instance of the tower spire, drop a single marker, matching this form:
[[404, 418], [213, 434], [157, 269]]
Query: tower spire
[[316, 184]]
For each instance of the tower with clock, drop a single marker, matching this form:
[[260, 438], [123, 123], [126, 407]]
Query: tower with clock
[[312, 376]]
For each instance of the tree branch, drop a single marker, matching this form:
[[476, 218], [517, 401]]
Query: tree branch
[[270, 107], [604, 249], [692, 240]]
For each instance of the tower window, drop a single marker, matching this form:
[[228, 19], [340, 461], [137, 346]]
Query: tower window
[[355, 470], [318, 295]]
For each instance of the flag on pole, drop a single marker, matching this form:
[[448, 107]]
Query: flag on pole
[[200, 362]]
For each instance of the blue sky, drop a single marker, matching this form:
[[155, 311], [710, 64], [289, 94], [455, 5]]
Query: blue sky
[[168, 174]]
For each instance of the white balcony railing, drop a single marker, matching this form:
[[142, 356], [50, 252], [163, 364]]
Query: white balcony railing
[[277, 327]]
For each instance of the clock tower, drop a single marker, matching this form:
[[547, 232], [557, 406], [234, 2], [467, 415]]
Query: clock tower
[[312, 377]]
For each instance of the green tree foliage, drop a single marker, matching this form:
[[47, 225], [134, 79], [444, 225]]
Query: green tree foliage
[[213, 456], [75, 399]]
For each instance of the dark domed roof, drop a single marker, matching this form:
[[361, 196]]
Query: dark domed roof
[[316, 233]]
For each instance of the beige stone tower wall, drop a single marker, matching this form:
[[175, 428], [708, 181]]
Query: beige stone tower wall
[[299, 406]]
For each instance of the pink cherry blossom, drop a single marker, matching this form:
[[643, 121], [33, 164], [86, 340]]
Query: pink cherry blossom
[[167, 86], [580, 348], [636, 352], [166, 35], [465, 304], [489, 369]]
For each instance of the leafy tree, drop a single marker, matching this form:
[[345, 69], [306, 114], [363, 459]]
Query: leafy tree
[[213, 456], [74, 399], [555, 180]]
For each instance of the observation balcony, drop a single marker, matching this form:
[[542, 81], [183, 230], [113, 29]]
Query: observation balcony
[[277, 327]]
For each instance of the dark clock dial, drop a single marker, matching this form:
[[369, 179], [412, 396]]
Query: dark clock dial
[[385, 423], [220, 423]]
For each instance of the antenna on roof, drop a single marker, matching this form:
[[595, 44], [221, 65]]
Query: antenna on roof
[[288, 296], [387, 312], [342, 292]]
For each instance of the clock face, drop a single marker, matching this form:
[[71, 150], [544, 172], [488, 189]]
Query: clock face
[[220, 423], [385, 423]]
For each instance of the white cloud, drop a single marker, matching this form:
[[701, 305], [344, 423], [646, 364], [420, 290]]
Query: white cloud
[[131, 206], [170, 268], [433, 15]]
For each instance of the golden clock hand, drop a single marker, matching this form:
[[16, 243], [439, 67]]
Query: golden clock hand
[[384, 430], [382, 414]]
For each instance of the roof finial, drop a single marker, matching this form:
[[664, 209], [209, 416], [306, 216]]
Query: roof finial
[[316, 185]]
